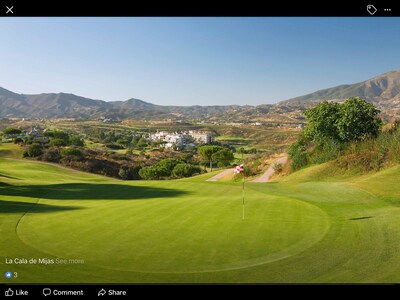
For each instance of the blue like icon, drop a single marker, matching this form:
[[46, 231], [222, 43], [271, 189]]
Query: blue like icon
[[8, 274]]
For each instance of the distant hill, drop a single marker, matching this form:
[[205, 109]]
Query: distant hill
[[62, 105], [382, 90]]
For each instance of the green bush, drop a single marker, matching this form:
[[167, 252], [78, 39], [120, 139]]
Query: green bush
[[57, 142], [358, 120], [223, 157], [185, 170], [12, 131], [114, 146], [71, 152], [168, 165], [51, 155], [298, 154], [125, 172], [354, 120], [33, 150], [18, 141], [152, 173], [330, 150], [76, 141]]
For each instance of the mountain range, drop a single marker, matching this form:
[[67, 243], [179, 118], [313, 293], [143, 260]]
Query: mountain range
[[382, 90]]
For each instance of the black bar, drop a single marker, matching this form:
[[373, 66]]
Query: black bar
[[131, 291], [73, 8]]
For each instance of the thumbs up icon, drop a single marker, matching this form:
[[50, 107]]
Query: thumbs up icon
[[9, 292]]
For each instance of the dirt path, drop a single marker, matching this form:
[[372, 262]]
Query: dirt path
[[220, 175], [270, 171]]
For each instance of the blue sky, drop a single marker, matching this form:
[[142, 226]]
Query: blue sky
[[185, 61]]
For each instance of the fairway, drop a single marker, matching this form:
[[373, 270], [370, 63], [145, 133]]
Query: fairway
[[296, 230]]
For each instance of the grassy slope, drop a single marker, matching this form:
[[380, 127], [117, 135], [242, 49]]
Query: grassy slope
[[191, 230]]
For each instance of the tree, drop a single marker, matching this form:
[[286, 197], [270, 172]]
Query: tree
[[359, 120], [142, 143], [187, 158], [167, 165], [151, 173], [135, 171], [51, 155], [76, 141], [185, 170], [57, 142], [224, 157], [125, 172], [58, 134], [354, 120], [34, 150], [114, 146], [207, 152], [322, 122], [12, 131], [298, 154], [71, 152], [18, 141]]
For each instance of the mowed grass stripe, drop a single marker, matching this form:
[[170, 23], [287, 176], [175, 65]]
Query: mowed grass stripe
[[173, 232]]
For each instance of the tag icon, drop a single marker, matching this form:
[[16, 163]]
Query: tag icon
[[371, 9]]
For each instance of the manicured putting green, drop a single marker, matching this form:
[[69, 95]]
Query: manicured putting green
[[187, 233]]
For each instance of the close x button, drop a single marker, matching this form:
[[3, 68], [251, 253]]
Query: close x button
[[9, 10]]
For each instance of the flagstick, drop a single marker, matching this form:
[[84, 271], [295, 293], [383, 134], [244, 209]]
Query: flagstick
[[243, 196], [242, 190]]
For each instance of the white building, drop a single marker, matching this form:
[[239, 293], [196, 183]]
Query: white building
[[176, 138]]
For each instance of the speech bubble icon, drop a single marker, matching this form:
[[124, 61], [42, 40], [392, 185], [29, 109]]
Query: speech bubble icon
[[46, 291]]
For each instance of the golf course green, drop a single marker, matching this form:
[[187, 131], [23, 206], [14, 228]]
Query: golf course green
[[306, 227]]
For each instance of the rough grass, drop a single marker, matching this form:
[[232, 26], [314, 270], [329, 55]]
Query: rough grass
[[298, 230]]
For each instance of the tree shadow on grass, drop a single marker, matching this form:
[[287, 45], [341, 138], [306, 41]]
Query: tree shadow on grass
[[21, 207], [10, 177], [361, 218], [85, 191]]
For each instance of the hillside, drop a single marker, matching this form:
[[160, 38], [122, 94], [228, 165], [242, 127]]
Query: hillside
[[62, 105], [382, 90]]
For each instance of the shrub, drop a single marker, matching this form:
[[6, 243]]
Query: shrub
[[33, 150], [18, 141], [330, 150], [322, 122], [58, 134], [151, 173], [114, 146], [277, 167], [354, 120], [185, 170], [57, 142], [71, 152], [358, 120], [187, 158], [51, 155], [12, 131], [298, 154], [125, 172], [76, 141], [135, 171], [168, 165], [142, 143], [224, 157]]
